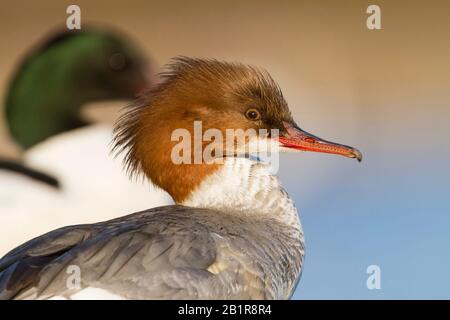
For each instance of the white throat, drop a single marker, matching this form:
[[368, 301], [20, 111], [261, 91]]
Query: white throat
[[247, 187]]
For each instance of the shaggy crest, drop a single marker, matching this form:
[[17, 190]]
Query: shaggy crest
[[198, 80]]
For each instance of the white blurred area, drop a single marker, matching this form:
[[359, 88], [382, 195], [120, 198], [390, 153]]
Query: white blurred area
[[94, 187]]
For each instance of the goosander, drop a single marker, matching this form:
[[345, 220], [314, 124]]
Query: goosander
[[57, 78], [44, 114], [234, 232]]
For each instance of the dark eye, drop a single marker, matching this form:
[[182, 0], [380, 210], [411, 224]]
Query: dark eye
[[253, 114], [117, 61]]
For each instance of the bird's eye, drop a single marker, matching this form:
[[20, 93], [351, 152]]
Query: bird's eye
[[253, 114], [117, 61]]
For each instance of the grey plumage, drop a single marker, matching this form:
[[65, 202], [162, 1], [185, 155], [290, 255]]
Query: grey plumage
[[235, 234], [173, 252]]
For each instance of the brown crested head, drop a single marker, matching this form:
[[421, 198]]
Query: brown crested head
[[222, 96]]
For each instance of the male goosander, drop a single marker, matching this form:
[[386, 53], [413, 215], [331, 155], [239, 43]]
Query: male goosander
[[44, 114], [234, 233], [58, 77]]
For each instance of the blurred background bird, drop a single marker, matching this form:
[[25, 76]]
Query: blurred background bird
[[66, 174]]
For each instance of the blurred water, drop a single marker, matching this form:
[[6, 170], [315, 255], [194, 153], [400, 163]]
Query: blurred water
[[385, 211]]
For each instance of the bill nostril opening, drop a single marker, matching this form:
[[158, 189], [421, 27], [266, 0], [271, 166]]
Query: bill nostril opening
[[310, 140]]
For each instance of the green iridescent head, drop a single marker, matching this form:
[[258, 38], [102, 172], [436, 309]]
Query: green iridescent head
[[71, 69]]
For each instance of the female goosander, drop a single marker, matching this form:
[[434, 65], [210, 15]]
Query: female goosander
[[43, 112], [234, 233]]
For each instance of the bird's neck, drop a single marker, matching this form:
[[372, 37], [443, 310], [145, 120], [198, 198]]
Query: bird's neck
[[245, 187]]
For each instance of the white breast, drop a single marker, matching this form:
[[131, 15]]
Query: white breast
[[90, 293], [248, 187]]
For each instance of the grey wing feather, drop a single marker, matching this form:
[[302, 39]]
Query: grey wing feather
[[20, 268], [145, 255]]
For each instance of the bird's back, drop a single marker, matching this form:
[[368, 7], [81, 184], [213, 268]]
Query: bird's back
[[163, 253]]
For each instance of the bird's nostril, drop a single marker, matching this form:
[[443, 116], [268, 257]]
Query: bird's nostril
[[310, 140]]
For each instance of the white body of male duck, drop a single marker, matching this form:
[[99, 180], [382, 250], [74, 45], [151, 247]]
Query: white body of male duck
[[93, 187], [234, 232]]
